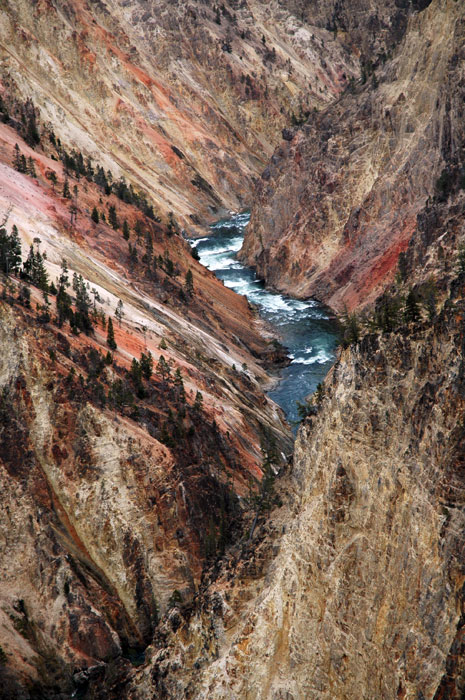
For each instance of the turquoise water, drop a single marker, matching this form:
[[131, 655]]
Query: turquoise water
[[303, 327]]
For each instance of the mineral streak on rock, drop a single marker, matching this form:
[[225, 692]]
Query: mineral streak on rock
[[186, 102], [354, 587], [339, 202], [127, 570]]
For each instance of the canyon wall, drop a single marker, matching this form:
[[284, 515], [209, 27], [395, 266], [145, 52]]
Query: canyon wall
[[117, 485], [130, 567], [340, 198], [353, 587], [185, 101]]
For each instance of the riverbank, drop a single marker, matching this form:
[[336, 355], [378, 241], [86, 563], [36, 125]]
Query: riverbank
[[304, 328]]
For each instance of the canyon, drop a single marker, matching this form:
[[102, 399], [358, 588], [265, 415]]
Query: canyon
[[147, 550]]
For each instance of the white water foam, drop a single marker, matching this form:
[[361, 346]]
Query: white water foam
[[321, 358], [275, 303], [194, 243], [241, 286]]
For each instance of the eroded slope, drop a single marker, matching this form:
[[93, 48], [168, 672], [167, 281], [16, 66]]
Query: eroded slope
[[339, 201]]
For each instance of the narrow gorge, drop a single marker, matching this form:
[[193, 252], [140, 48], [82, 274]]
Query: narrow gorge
[[212, 487]]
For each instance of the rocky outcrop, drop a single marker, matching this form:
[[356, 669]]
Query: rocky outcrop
[[353, 588], [117, 487], [131, 566], [339, 202], [187, 100]]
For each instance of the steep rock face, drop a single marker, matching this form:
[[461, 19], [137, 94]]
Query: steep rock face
[[115, 491], [185, 101], [353, 588], [360, 583], [364, 595], [339, 201], [102, 522]]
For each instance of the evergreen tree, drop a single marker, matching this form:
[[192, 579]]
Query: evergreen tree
[[189, 284], [148, 256], [94, 216], [14, 261], [179, 387], [163, 369], [31, 169], [198, 403], [125, 230], [146, 364], [387, 314], [66, 191], [89, 170], [73, 210], [132, 256], [350, 328], [136, 376], [10, 251], [112, 218], [17, 158], [168, 264], [24, 296], [83, 305], [402, 267], [138, 230], [412, 308], [63, 299], [32, 137], [172, 225], [111, 336], [101, 180], [34, 269]]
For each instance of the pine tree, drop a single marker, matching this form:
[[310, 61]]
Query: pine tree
[[83, 305], [10, 251], [412, 309], [17, 158], [146, 364], [34, 269], [66, 191], [163, 369], [198, 403], [111, 336], [132, 256], [179, 387], [189, 284], [31, 169], [94, 216], [266, 497], [63, 299], [14, 253], [32, 134], [125, 230], [112, 218]]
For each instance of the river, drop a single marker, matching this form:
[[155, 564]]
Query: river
[[304, 327]]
